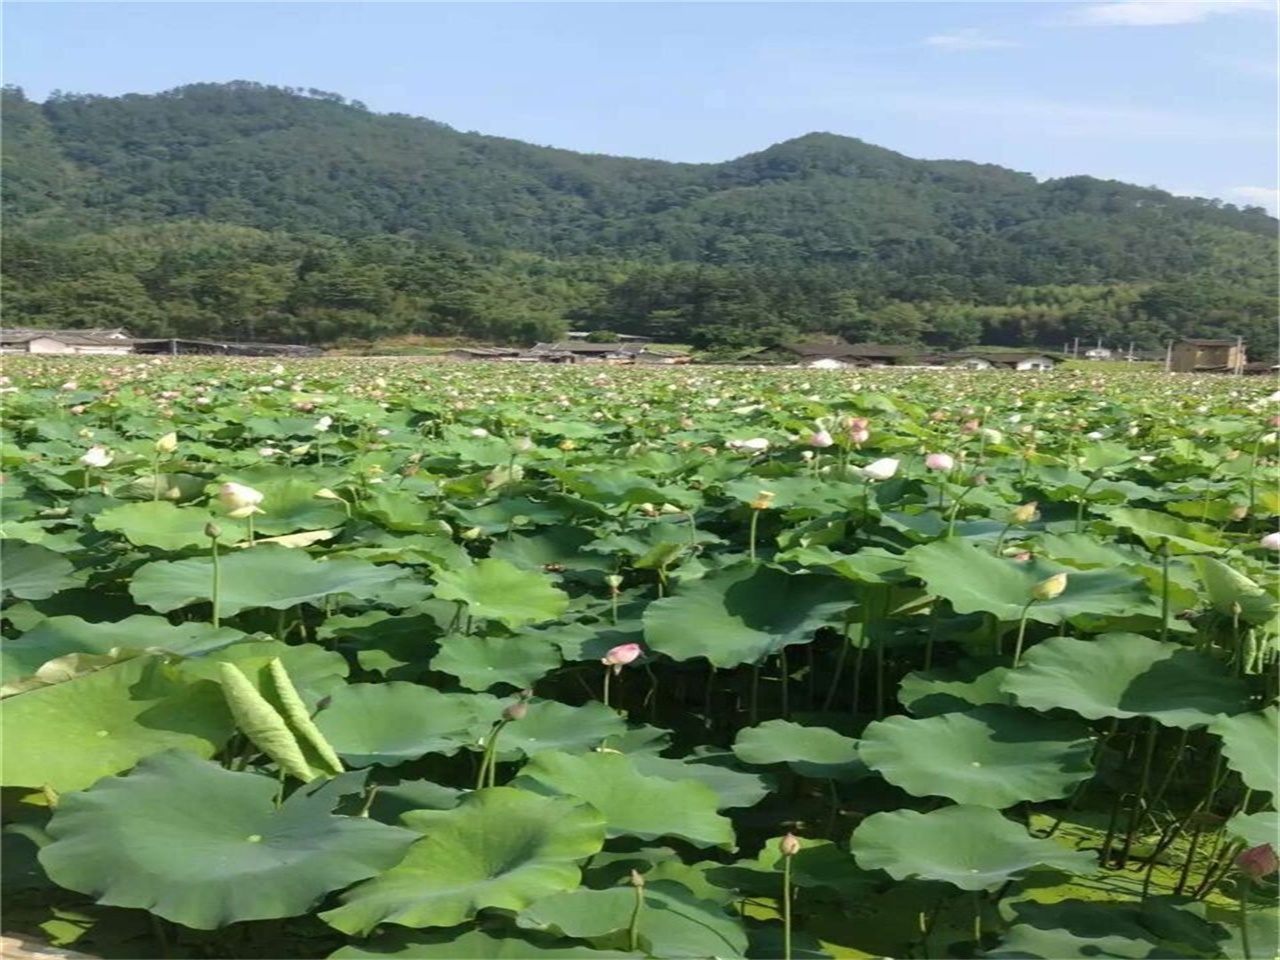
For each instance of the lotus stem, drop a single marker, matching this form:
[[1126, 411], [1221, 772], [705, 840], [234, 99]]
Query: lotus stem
[[753, 712], [839, 670], [1242, 897], [489, 761], [155, 477], [217, 584], [786, 693], [633, 929], [249, 521], [1164, 589], [755, 520], [608, 672], [1022, 633]]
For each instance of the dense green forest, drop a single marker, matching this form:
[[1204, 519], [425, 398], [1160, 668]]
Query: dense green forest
[[266, 213]]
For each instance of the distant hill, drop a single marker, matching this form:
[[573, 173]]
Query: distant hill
[[868, 226]]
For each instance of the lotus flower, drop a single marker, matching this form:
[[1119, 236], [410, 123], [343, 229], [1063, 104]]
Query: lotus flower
[[939, 461], [1050, 588], [881, 469], [240, 501], [1271, 541], [754, 445], [621, 655], [97, 457], [821, 439], [324, 423], [167, 444], [789, 845], [1258, 862]]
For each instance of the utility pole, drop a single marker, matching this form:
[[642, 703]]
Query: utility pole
[[1129, 357], [1075, 348], [1239, 357], [1168, 358]]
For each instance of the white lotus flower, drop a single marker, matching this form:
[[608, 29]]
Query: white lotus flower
[[97, 457], [167, 444], [1271, 541], [480, 432], [881, 469], [754, 445], [240, 501], [324, 423]]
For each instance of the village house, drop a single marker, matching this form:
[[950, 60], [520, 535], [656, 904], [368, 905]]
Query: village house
[[109, 342], [1208, 356], [1007, 361]]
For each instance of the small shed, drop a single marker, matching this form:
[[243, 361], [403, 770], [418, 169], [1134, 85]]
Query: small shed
[[112, 342], [1208, 356]]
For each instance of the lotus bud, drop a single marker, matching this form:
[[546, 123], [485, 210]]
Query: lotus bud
[[789, 845], [821, 439], [614, 581], [859, 437], [212, 530], [670, 509], [939, 461], [637, 879], [167, 444], [1238, 513], [522, 444], [324, 423], [621, 655], [1024, 513], [1258, 862], [515, 711], [806, 455], [1271, 541], [479, 433], [240, 501], [1049, 588], [472, 533], [324, 493], [881, 469], [762, 500], [567, 445]]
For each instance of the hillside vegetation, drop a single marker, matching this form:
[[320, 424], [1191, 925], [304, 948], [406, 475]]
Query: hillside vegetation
[[245, 210]]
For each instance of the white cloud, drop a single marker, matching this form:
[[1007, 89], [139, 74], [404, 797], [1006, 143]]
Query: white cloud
[[967, 39], [1161, 13], [1268, 197]]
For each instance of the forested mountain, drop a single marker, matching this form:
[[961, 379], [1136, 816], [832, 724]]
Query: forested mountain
[[241, 209]]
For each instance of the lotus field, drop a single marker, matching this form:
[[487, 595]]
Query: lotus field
[[344, 658]]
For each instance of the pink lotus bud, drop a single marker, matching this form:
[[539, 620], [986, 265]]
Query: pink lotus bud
[[789, 845], [859, 436], [821, 439], [1271, 541], [970, 426], [1258, 862], [621, 655], [939, 461], [515, 711]]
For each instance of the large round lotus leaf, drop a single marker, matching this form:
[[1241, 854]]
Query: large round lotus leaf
[[976, 581], [633, 805], [673, 923], [1127, 675], [166, 526], [1230, 592], [1080, 929], [1251, 744], [72, 734], [483, 662], [991, 756], [204, 847], [1256, 828], [470, 945], [551, 725], [498, 590], [973, 848], [870, 565], [500, 847], [33, 572], [743, 614], [389, 723], [734, 788], [817, 752], [556, 546], [262, 576], [289, 503], [971, 683], [1154, 528], [59, 636]]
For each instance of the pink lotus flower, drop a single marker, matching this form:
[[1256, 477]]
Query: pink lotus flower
[[621, 655], [821, 439], [859, 436], [939, 461], [1258, 862], [1271, 541], [970, 426]]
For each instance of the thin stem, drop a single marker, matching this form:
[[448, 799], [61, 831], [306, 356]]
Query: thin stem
[[755, 520], [786, 908], [786, 693], [633, 930], [608, 672], [1022, 632], [1242, 894], [217, 584], [1164, 590]]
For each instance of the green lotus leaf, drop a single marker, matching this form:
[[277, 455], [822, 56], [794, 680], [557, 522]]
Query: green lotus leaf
[[734, 788], [59, 636], [399, 513], [482, 662], [971, 683], [289, 503], [166, 526], [1153, 528], [633, 804], [973, 848], [33, 572], [1126, 675], [205, 847], [976, 581], [1255, 829], [499, 590], [70, 735], [817, 752], [819, 864], [502, 515], [866, 566], [500, 847], [550, 725], [1231, 592], [1251, 744], [991, 756], [263, 576], [389, 723], [1079, 929], [673, 922], [743, 614], [556, 546], [470, 945]]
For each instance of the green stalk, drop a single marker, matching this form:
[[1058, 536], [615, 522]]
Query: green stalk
[[786, 907], [786, 694], [633, 929], [608, 672], [1003, 533], [155, 478], [217, 584], [755, 520], [1022, 632], [1242, 893], [1164, 589]]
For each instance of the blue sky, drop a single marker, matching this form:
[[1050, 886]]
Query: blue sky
[[1176, 93]]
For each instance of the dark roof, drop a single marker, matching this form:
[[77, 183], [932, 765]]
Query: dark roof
[[87, 337], [839, 349], [1206, 343]]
